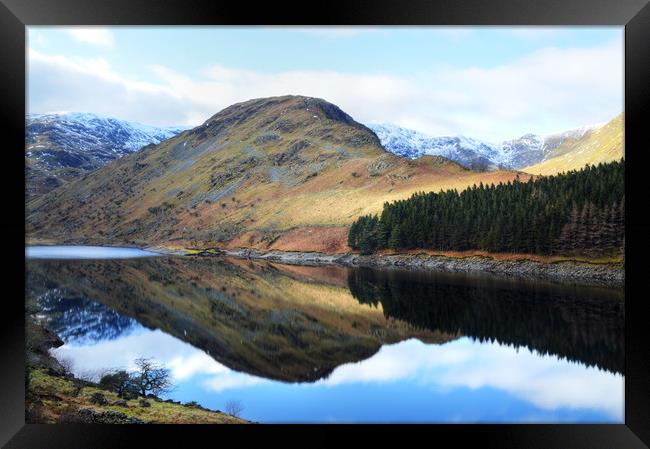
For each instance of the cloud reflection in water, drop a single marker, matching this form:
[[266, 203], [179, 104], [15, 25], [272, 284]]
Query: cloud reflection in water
[[544, 381]]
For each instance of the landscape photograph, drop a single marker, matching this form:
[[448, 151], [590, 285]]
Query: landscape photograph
[[324, 224]]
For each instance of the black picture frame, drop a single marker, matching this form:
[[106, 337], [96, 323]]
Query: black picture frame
[[15, 15]]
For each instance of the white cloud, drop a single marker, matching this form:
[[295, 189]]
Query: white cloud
[[98, 36], [121, 352], [545, 381], [58, 83], [231, 380], [355, 93], [183, 360], [551, 89], [187, 364], [547, 91]]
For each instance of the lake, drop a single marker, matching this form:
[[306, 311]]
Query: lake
[[335, 344], [85, 252]]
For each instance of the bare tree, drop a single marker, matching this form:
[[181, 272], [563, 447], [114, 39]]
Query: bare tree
[[234, 407], [151, 377]]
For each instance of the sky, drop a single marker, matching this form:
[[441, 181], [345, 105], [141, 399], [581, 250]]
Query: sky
[[490, 83], [460, 381]]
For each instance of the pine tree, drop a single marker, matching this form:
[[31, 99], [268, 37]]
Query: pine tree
[[394, 241], [353, 236]]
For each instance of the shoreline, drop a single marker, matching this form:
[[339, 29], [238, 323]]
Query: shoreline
[[567, 272], [570, 272]]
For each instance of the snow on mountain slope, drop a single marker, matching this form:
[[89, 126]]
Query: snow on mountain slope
[[473, 153], [91, 134], [405, 142], [603, 144], [62, 146]]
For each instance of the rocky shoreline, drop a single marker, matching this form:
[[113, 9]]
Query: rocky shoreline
[[569, 272], [566, 272]]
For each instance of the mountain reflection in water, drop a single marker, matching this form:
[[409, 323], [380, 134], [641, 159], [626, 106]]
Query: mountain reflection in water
[[404, 346]]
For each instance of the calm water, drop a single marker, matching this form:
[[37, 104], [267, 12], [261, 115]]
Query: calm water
[[331, 344], [84, 252]]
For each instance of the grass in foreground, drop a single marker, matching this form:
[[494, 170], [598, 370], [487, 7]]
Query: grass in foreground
[[53, 399]]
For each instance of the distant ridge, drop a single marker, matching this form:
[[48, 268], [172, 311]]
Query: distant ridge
[[61, 146], [476, 154], [605, 144]]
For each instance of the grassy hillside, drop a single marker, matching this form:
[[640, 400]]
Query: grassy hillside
[[604, 144], [58, 399], [265, 167]]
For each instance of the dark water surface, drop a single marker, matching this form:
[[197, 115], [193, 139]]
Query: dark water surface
[[334, 344]]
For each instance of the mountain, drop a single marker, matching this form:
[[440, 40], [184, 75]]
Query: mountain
[[78, 320], [604, 144], [263, 319], [476, 154], [288, 171], [60, 147], [471, 153]]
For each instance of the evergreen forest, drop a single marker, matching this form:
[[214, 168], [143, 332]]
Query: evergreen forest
[[579, 212]]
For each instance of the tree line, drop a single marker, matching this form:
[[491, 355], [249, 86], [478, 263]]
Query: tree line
[[577, 212], [561, 320]]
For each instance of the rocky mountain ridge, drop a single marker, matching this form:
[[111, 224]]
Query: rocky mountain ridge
[[60, 147], [476, 154]]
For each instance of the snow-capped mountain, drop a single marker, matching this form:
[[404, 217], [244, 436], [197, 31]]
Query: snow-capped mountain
[[59, 147], [87, 137], [523, 151], [79, 320], [473, 153], [405, 142]]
